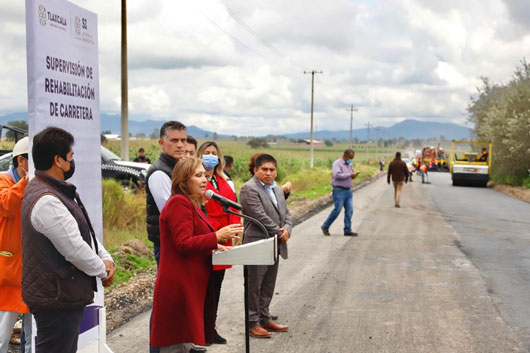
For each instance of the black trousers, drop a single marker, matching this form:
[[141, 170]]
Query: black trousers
[[213, 293], [58, 330]]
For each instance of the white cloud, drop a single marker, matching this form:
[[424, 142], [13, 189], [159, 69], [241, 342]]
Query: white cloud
[[394, 59]]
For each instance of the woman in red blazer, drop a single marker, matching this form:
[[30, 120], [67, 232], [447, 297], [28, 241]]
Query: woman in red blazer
[[187, 240], [213, 161]]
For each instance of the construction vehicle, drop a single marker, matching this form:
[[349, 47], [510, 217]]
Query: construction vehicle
[[470, 163], [434, 158]]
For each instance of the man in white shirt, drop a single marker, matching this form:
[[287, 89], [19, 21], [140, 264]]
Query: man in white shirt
[[61, 255], [158, 188]]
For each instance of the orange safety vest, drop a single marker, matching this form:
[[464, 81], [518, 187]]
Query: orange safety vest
[[11, 195]]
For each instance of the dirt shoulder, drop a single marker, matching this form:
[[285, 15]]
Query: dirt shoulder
[[518, 192], [129, 299]]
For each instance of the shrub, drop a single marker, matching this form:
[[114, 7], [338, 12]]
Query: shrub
[[257, 143], [526, 182], [122, 210]]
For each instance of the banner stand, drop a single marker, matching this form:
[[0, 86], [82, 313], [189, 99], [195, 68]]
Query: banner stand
[[63, 91], [100, 345]]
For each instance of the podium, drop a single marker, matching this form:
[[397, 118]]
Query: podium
[[261, 252]]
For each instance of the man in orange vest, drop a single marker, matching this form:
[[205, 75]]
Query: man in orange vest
[[12, 186]]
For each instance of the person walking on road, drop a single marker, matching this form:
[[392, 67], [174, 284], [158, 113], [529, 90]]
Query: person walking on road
[[343, 174], [397, 169]]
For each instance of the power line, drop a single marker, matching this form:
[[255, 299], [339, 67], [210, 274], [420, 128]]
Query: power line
[[255, 34], [236, 39]]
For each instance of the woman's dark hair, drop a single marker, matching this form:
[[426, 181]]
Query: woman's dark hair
[[49, 143], [265, 158]]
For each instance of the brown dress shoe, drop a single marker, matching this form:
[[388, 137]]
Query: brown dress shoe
[[259, 332], [272, 326]]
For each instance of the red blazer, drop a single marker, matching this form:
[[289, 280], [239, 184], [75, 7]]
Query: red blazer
[[186, 243], [217, 217]]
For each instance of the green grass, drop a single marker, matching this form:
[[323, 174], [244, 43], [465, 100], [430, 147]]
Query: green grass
[[127, 265]]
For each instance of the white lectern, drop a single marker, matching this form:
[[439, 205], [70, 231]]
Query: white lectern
[[261, 252]]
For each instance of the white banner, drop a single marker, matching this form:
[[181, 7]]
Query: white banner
[[63, 91]]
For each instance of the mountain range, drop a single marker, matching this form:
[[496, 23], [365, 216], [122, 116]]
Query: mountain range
[[409, 129]]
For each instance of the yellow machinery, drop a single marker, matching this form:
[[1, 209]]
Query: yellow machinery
[[434, 158], [470, 163]]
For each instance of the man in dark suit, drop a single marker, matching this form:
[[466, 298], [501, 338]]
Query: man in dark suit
[[263, 200]]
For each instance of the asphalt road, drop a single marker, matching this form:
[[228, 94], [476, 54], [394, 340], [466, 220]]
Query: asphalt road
[[447, 272]]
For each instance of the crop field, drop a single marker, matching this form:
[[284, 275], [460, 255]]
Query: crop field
[[293, 159]]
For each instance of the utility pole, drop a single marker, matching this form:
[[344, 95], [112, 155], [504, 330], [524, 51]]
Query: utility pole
[[377, 134], [367, 135], [351, 123], [313, 72], [124, 146]]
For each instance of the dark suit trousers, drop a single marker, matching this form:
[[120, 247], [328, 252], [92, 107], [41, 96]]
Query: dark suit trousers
[[213, 293], [261, 283], [58, 330]]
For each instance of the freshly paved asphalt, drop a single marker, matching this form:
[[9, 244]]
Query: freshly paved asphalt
[[493, 230], [447, 272]]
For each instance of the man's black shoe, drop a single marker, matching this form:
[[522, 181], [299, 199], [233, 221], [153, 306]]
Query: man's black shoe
[[274, 317], [351, 234], [197, 349], [218, 339], [325, 231]]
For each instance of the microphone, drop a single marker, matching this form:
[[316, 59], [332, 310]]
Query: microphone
[[223, 200]]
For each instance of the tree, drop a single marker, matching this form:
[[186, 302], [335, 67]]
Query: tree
[[154, 135], [501, 114], [206, 134], [257, 143], [215, 136], [140, 135], [328, 143]]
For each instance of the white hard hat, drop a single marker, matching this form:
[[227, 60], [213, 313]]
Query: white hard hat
[[21, 147]]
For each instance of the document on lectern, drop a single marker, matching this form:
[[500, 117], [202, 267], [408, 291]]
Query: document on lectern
[[261, 252]]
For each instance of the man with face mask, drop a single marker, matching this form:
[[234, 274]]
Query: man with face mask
[[343, 175], [12, 186], [61, 255]]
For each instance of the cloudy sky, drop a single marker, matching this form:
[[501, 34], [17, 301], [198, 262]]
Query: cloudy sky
[[237, 66]]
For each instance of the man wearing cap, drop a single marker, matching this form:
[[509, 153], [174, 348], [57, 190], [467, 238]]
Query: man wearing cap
[[12, 186], [141, 157]]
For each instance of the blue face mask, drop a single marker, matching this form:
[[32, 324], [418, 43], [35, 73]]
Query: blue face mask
[[210, 161], [349, 160]]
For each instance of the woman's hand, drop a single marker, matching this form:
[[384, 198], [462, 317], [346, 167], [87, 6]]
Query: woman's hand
[[223, 247], [229, 232]]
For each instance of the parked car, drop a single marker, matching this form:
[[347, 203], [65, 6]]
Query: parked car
[[410, 166], [131, 175]]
